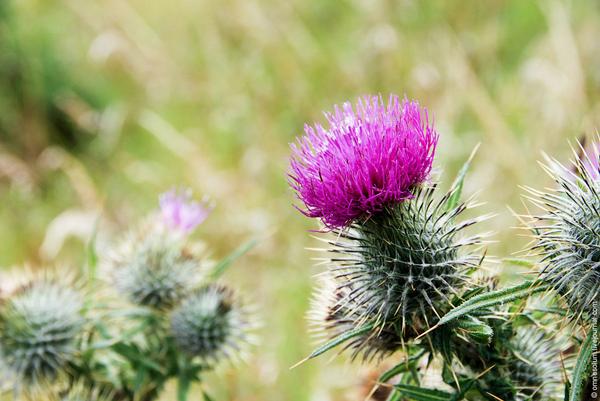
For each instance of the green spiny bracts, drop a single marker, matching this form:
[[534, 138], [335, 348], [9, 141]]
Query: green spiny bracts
[[404, 264], [567, 234], [154, 268], [535, 365], [40, 325], [211, 324], [79, 391], [333, 313]]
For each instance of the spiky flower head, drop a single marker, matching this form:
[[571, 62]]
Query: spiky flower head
[[535, 366], [400, 269], [334, 312], [567, 232], [180, 212], [211, 324], [155, 265], [369, 157], [40, 324], [81, 391], [155, 268]]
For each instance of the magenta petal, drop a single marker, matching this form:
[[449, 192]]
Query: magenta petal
[[369, 156]]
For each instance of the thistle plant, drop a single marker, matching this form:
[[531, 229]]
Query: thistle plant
[[403, 268], [167, 318]]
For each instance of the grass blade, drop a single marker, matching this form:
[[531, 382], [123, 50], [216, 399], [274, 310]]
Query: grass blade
[[222, 266], [457, 185]]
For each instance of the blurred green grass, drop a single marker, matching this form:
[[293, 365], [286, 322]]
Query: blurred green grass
[[105, 104]]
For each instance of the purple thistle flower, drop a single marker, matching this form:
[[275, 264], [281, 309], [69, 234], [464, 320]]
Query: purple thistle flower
[[370, 157], [591, 161], [180, 212]]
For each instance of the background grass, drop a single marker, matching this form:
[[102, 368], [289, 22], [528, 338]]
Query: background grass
[[104, 104]]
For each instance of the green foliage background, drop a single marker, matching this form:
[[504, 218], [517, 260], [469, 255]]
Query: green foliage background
[[104, 104]]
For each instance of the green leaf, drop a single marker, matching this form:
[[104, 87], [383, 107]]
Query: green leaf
[[519, 262], [423, 394], [395, 396], [477, 330], [183, 387], [222, 266], [457, 185], [136, 357], [489, 299], [342, 338], [402, 367], [581, 371]]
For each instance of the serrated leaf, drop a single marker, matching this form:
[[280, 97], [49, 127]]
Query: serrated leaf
[[422, 394], [457, 185], [342, 338], [493, 298], [224, 264], [581, 371]]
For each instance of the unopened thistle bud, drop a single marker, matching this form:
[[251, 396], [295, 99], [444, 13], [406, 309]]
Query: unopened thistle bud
[[399, 254], [211, 324], [567, 233], [40, 325], [334, 313], [154, 266], [535, 366]]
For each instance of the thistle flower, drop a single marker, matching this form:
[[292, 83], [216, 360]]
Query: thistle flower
[[211, 325], [40, 324], [567, 233], [180, 212], [370, 157], [403, 265], [154, 268]]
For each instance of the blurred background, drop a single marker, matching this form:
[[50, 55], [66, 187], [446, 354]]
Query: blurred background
[[105, 104]]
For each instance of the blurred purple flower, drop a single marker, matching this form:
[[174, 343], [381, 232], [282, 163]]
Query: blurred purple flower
[[591, 160], [369, 157], [180, 212]]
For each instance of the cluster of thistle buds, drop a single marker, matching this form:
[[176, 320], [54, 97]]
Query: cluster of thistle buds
[[156, 311], [405, 274]]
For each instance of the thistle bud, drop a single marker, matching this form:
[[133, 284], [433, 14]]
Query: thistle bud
[[334, 313], [210, 324], [567, 233], [153, 268], [40, 325], [535, 366]]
